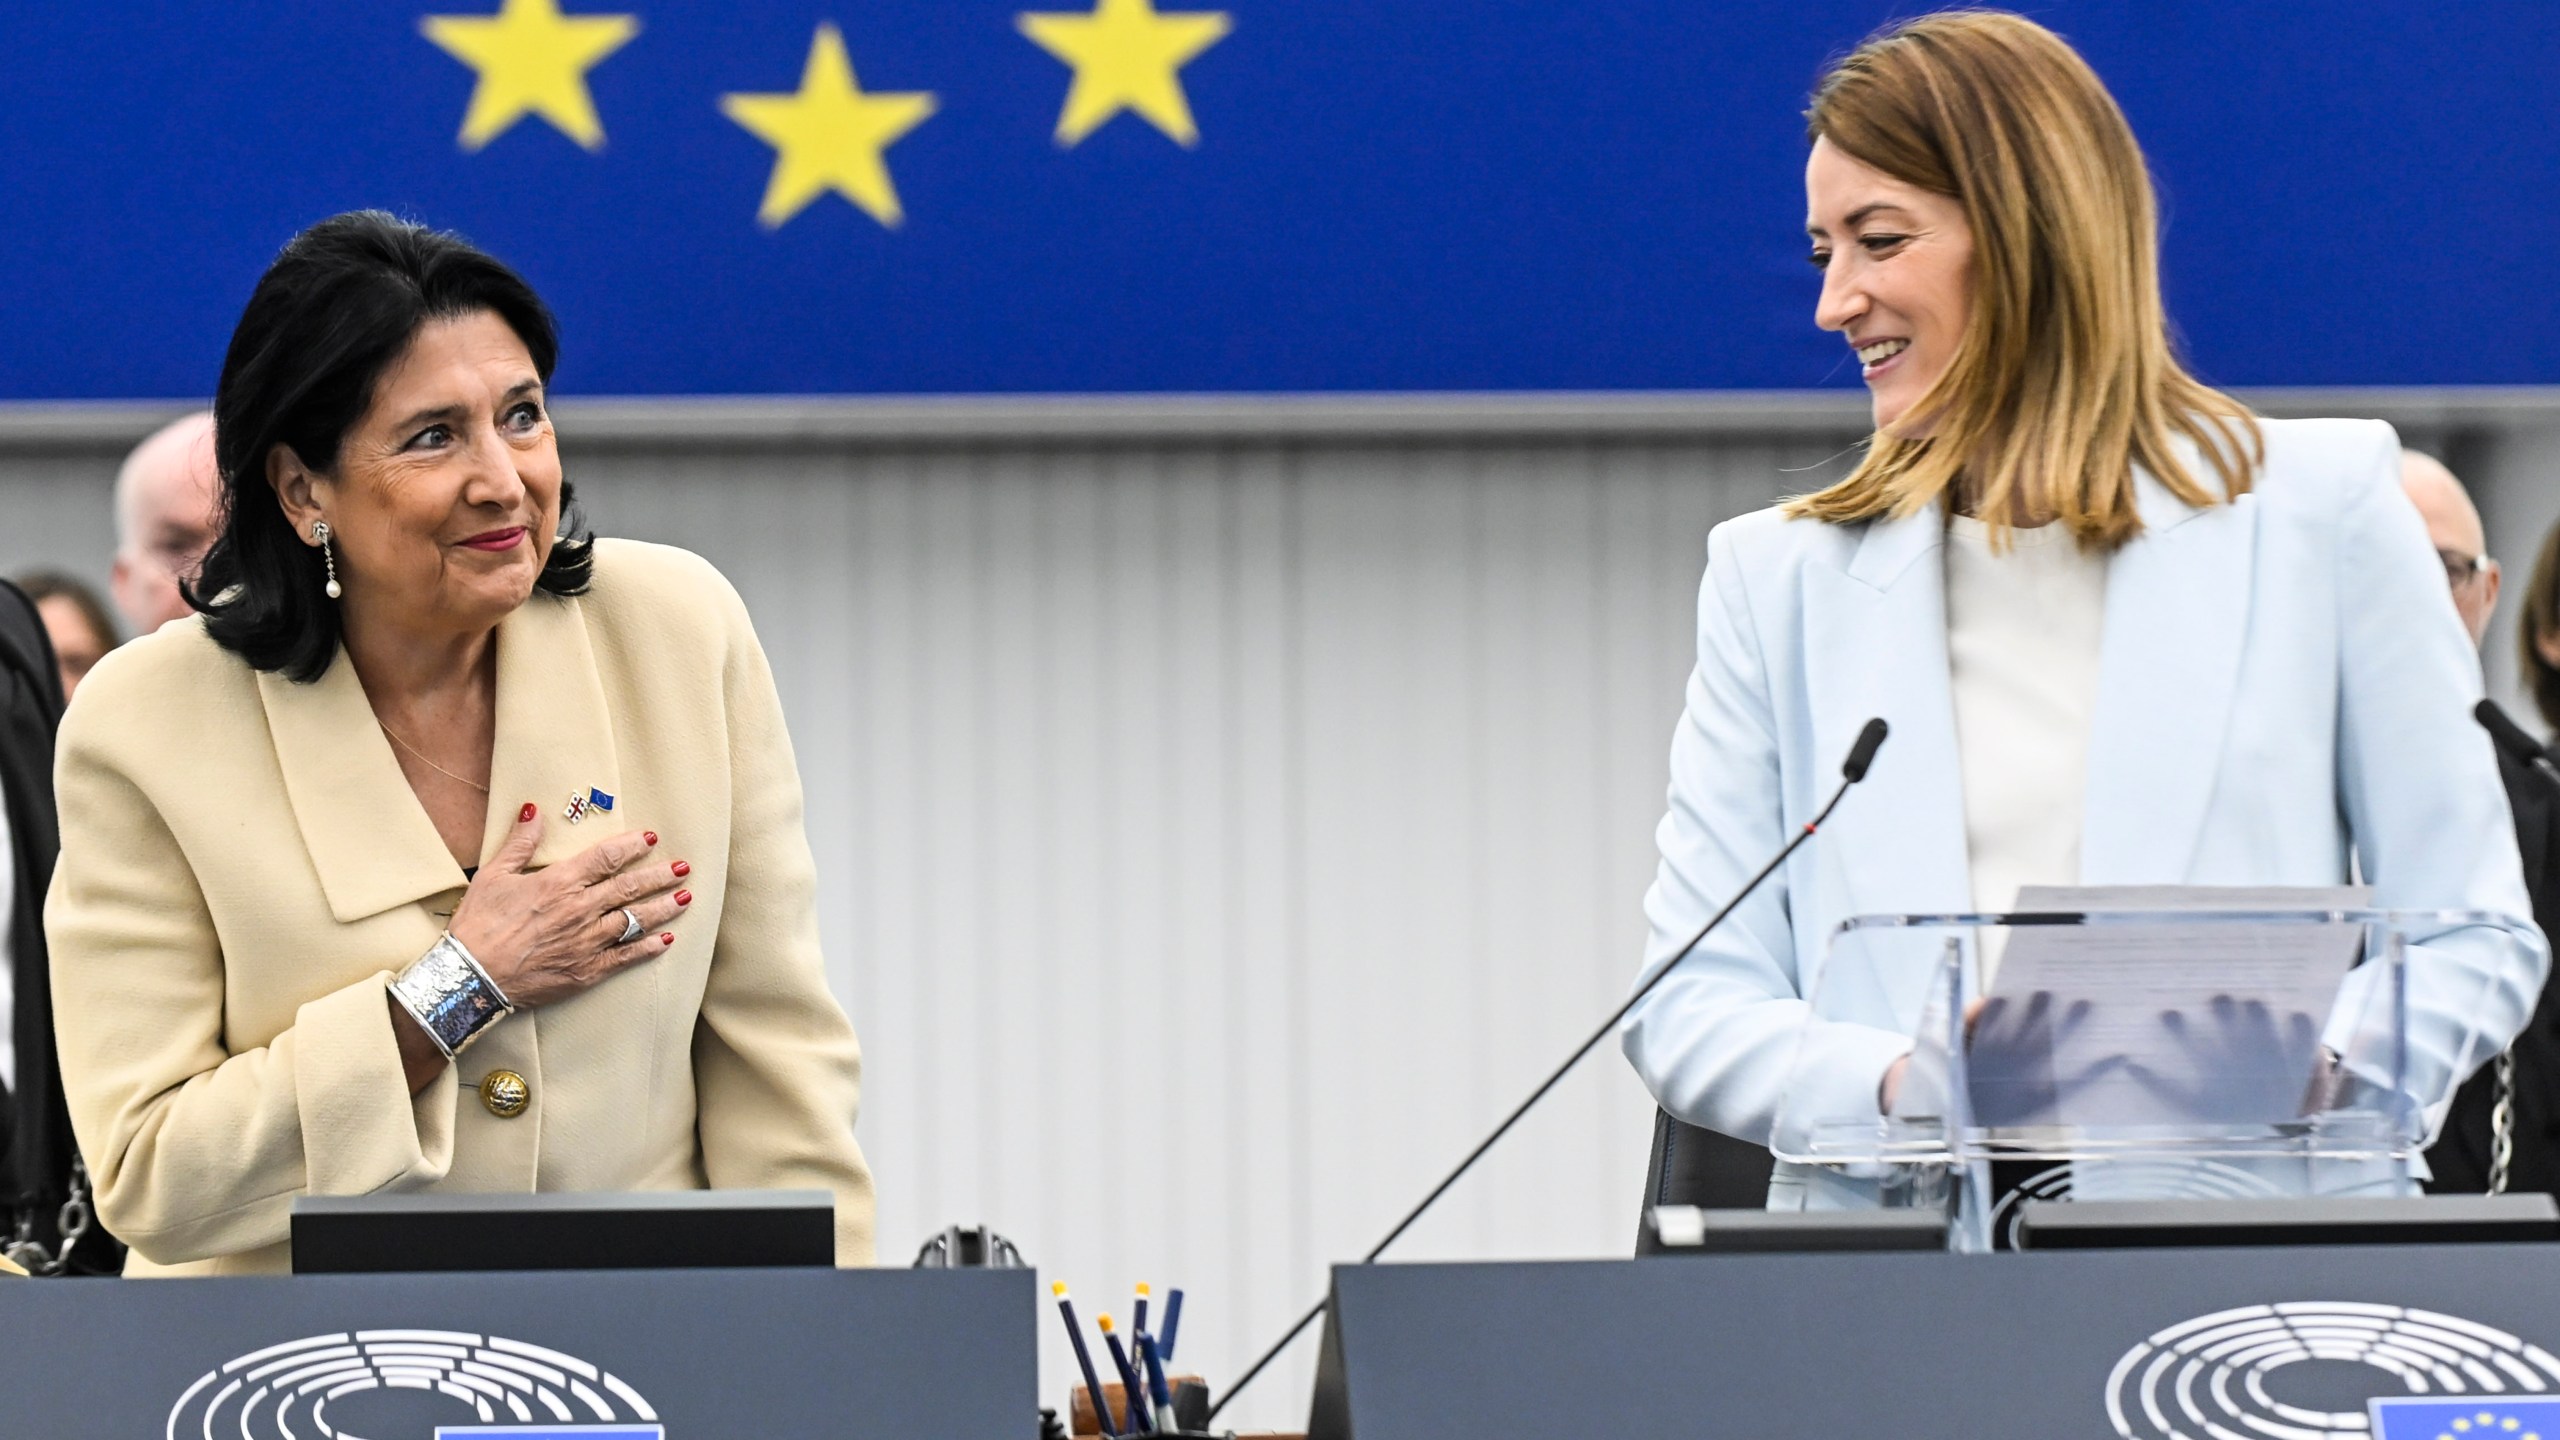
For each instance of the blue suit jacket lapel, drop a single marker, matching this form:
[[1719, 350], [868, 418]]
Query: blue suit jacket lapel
[[2176, 619], [1876, 645]]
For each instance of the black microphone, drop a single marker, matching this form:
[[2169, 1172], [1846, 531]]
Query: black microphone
[[2515, 740], [1861, 755]]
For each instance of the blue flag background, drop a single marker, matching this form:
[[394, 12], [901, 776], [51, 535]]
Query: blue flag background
[[1384, 194]]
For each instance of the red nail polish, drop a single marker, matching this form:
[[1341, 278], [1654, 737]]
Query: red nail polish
[[684, 897], [525, 815], [649, 835], [683, 868], [666, 939]]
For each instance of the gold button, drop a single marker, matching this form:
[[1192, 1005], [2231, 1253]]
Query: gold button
[[505, 1093]]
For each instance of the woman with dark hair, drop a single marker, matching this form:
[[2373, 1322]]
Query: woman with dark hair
[[333, 914], [75, 619]]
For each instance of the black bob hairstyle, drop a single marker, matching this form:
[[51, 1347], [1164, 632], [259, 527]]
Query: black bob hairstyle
[[329, 317]]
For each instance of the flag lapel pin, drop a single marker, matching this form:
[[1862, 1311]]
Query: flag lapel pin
[[580, 806]]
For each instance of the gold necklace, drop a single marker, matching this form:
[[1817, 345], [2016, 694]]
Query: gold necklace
[[423, 760]]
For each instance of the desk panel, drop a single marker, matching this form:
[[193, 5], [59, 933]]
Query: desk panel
[[621, 1355], [2144, 1344]]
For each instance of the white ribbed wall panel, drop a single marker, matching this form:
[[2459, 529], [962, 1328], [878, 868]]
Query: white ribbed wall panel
[[1218, 840]]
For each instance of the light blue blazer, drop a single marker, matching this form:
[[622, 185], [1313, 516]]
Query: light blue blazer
[[2283, 683]]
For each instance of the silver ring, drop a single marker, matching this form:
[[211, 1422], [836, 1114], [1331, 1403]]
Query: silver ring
[[631, 928]]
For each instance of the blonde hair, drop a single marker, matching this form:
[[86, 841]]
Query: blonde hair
[[2064, 379]]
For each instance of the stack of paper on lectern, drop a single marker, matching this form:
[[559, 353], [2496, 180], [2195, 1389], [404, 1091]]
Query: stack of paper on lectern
[[2178, 1024]]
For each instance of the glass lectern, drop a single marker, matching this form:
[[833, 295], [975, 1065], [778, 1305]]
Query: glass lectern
[[1970, 1062]]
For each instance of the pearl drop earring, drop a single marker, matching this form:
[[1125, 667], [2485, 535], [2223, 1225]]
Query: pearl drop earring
[[320, 533]]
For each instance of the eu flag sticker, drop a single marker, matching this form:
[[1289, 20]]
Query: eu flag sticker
[[553, 1432], [2473, 1417]]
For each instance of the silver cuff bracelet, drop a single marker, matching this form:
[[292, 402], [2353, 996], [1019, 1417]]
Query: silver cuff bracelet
[[450, 996]]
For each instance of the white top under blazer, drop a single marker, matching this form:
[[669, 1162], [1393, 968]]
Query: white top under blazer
[[2023, 637], [2283, 684]]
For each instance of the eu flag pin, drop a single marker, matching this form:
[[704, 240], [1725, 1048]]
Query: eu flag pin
[[578, 806]]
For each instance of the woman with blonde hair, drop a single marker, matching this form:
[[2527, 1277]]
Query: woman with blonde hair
[[2124, 632]]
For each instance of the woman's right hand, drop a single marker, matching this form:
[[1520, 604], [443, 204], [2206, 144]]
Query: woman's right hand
[[1889, 1089], [545, 935]]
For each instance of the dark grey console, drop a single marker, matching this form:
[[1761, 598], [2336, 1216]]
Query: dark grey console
[[621, 1355], [622, 1230], [2141, 1344]]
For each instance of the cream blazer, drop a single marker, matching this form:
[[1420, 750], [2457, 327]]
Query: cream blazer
[[244, 866]]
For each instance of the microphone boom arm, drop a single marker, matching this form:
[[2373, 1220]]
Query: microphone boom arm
[[1860, 756]]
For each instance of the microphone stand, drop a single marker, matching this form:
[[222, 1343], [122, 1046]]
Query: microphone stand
[[1861, 755]]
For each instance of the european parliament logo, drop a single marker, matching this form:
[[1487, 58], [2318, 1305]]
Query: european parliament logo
[[2466, 1419], [2308, 1370], [412, 1385]]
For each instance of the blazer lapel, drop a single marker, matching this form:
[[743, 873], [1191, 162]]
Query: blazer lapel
[[555, 733], [370, 841], [1876, 645], [2177, 614]]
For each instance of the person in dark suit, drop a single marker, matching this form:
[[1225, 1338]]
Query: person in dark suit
[[2465, 1156], [42, 1189]]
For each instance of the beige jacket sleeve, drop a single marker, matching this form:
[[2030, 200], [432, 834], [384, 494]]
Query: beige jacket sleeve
[[777, 1071], [195, 1151]]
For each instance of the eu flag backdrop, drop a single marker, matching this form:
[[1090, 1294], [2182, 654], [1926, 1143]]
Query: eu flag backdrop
[[910, 196]]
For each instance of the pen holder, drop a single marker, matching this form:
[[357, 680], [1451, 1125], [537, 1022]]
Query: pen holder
[[1083, 1421]]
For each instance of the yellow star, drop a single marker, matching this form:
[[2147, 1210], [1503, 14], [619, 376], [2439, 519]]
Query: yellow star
[[829, 136], [532, 60], [1126, 57]]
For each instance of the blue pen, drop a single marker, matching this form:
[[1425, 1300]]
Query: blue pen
[[1156, 1390], [1172, 1322], [1138, 1314], [1084, 1359], [1141, 1421]]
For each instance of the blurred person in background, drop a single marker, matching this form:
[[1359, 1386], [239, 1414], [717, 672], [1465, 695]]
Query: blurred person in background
[[75, 619], [322, 922], [2538, 633], [168, 507], [2527, 1076], [43, 1191], [2453, 527]]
